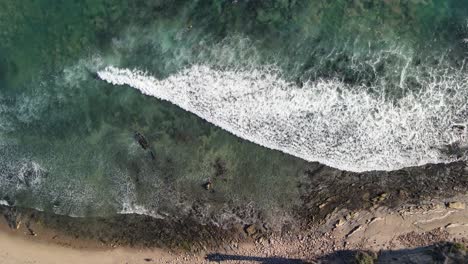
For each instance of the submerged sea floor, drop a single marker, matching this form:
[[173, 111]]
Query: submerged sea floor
[[358, 86]]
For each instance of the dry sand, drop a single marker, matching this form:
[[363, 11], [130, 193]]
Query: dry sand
[[376, 229]]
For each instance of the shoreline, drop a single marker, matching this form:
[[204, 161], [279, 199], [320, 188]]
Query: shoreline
[[414, 232], [379, 232], [341, 215]]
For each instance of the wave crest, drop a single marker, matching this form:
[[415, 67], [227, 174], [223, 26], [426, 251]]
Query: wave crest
[[326, 120]]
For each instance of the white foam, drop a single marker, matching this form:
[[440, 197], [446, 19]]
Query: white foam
[[131, 208], [30, 172], [130, 205], [325, 121]]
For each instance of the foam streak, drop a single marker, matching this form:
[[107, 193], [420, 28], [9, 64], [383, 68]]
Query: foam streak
[[325, 121]]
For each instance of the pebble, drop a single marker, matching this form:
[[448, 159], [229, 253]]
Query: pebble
[[250, 230], [340, 222]]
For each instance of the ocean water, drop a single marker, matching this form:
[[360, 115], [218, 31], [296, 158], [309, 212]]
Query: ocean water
[[243, 93]]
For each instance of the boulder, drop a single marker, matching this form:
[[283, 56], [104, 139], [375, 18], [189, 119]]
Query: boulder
[[456, 205]]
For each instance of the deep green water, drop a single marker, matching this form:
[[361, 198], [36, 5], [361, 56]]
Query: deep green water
[[66, 137]]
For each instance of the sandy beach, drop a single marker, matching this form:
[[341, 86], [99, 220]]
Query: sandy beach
[[395, 236], [390, 218], [18, 249]]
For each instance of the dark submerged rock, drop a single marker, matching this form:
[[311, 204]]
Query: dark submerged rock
[[141, 140]]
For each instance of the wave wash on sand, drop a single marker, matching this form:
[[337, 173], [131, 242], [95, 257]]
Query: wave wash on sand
[[326, 121]]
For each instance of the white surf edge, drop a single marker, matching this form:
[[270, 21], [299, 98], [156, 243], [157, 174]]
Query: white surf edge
[[323, 121]]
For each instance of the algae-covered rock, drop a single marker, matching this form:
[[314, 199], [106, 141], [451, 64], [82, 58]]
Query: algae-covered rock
[[458, 248], [365, 257]]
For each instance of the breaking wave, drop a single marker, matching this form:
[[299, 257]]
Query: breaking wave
[[326, 121]]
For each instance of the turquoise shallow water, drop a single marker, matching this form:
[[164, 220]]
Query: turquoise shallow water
[[67, 135]]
